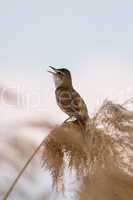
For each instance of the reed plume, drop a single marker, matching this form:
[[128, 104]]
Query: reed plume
[[105, 154]]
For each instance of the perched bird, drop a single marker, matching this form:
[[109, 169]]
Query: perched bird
[[67, 98]]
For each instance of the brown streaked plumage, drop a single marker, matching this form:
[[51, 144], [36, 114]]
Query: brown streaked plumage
[[68, 99]]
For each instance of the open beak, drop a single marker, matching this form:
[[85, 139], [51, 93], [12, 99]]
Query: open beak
[[54, 70]]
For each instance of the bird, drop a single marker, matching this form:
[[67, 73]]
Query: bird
[[67, 98]]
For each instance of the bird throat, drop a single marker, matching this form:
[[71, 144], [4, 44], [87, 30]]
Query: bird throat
[[58, 82]]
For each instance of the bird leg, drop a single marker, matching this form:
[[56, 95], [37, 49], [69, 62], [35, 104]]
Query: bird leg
[[67, 120], [83, 129]]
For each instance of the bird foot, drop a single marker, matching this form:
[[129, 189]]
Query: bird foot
[[69, 118]]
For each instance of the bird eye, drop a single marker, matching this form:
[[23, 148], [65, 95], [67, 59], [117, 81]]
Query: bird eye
[[60, 73]]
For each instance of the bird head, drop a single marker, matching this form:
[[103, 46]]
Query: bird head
[[62, 76]]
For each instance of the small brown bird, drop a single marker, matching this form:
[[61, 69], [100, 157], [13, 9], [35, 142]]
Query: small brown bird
[[66, 96]]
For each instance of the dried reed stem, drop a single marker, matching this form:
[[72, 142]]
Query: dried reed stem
[[22, 171]]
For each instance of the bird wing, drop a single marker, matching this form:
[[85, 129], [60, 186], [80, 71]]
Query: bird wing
[[78, 105], [71, 103]]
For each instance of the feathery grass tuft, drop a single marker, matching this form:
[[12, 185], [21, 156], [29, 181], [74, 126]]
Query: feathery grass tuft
[[107, 146]]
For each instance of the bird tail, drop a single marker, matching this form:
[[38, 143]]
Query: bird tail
[[85, 123]]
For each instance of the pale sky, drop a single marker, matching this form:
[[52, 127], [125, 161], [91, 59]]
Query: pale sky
[[91, 38]]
